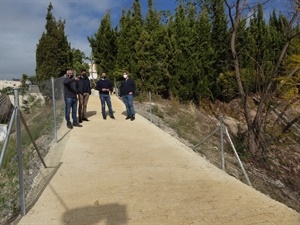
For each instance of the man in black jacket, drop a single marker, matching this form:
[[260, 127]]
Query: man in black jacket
[[84, 91], [104, 86], [70, 95], [127, 90]]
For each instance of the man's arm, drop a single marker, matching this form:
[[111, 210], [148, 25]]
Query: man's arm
[[133, 87], [98, 86]]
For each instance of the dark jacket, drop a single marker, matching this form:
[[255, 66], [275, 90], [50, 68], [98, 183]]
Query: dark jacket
[[70, 88], [84, 85], [103, 84], [127, 86]]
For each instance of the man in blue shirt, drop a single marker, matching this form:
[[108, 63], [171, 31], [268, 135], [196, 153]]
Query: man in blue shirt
[[104, 86], [127, 90]]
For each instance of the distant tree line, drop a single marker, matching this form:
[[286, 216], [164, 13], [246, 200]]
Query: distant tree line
[[207, 49], [188, 56], [185, 56]]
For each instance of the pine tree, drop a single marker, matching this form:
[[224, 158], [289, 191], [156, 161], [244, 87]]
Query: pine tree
[[134, 34], [204, 76], [151, 55], [220, 41], [53, 53], [103, 45], [124, 47], [183, 63], [78, 61]]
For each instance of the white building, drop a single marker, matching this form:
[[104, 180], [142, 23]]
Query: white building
[[93, 71], [9, 83]]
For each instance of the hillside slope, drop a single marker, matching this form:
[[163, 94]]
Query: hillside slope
[[276, 176]]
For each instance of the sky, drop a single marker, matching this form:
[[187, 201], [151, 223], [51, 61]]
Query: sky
[[22, 23]]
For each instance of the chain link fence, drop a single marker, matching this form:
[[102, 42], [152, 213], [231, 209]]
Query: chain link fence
[[218, 141], [38, 112], [206, 135]]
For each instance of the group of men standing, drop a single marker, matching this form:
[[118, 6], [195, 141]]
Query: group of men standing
[[79, 89]]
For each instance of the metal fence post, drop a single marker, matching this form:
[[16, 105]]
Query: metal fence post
[[19, 150], [11, 123], [238, 158], [222, 141], [54, 109], [150, 100]]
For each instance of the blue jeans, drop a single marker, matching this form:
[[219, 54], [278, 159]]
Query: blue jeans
[[71, 103], [105, 98], [128, 101]]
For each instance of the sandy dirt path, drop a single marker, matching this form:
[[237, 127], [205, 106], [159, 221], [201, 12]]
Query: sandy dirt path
[[120, 172]]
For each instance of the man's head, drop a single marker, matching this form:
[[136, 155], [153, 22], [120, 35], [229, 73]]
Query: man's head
[[70, 73], [103, 75], [125, 74], [83, 72]]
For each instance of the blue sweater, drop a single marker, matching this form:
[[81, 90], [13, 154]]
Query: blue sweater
[[103, 84], [84, 85], [127, 86]]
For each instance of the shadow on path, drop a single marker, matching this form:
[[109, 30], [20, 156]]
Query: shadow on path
[[113, 214], [59, 140], [91, 113]]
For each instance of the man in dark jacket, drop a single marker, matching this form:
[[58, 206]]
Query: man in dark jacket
[[127, 90], [104, 86], [70, 95], [84, 91]]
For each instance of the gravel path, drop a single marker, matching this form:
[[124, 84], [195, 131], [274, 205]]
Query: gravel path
[[120, 172]]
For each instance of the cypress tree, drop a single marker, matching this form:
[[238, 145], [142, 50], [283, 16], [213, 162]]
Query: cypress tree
[[134, 34], [53, 53], [183, 64], [78, 60], [124, 54], [205, 74], [220, 41], [263, 55], [151, 54], [103, 45]]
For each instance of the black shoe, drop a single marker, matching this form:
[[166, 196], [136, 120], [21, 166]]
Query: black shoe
[[132, 118], [104, 117], [85, 119], [77, 125], [69, 125], [112, 117], [80, 121], [127, 118]]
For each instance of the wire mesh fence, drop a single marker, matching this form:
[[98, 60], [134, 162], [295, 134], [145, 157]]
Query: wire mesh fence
[[202, 135], [275, 173], [41, 111]]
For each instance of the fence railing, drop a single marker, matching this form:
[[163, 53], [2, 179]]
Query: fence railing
[[226, 147], [29, 128], [217, 146]]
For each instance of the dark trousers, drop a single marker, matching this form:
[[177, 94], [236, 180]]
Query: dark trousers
[[105, 99], [70, 104], [128, 101]]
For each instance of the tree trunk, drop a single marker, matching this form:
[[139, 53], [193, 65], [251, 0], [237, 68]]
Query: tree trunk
[[235, 23], [257, 126]]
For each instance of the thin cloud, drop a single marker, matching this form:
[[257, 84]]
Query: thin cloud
[[22, 23]]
